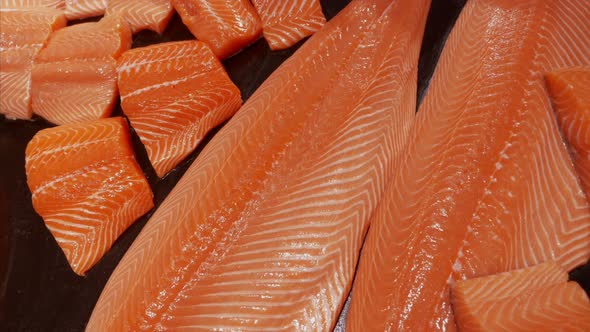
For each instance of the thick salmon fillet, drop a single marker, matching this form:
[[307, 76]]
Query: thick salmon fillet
[[79, 9], [557, 307], [264, 229], [226, 25], [143, 14], [486, 184], [540, 299], [15, 4], [287, 22], [570, 93], [74, 84], [173, 94], [22, 35], [87, 186]]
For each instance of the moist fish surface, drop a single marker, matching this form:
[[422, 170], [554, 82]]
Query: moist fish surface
[[287, 22], [76, 84], [227, 26], [87, 186], [264, 230], [537, 298], [79, 9], [12, 4], [23, 32], [143, 14], [486, 184], [174, 94], [569, 89]]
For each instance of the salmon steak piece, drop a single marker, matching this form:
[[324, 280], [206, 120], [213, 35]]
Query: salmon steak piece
[[143, 14], [227, 26], [87, 186], [23, 33], [486, 184], [77, 84], [285, 23], [570, 93], [79, 9], [17, 4], [264, 229], [537, 298], [174, 94]]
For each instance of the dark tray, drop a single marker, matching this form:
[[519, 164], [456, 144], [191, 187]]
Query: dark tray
[[38, 290]]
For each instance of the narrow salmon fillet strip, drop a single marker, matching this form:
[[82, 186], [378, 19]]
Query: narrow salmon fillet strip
[[287, 22], [87, 186], [76, 84], [14, 4], [486, 184], [143, 14], [79, 9], [23, 33], [561, 306], [227, 26], [174, 94], [570, 93], [264, 229]]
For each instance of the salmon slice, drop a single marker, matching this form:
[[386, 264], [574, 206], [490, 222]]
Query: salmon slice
[[143, 14], [22, 35], [75, 84], [15, 4], [486, 184], [285, 23], [264, 229], [507, 284], [87, 186], [109, 37], [562, 306], [79, 9], [173, 94], [570, 92], [226, 25]]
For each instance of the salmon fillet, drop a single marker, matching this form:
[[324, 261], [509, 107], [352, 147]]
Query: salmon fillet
[[143, 14], [554, 305], [264, 229], [173, 94], [570, 93], [76, 84], [471, 298], [87, 186], [15, 4], [486, 184], [227, 26], [22, 35], [79, 9], [285, 23]]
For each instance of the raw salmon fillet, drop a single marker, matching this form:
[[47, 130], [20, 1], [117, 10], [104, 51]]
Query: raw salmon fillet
[[538, 298], [570, 93], [285, 23], [174, 94], [87, 186], [486, 184], [226, 25], [264, 229], [15, 4], [143, 14], [558, 307], [79, 9], [22, 35], [76, 84]]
